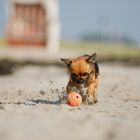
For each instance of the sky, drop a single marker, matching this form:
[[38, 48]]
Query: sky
[[80, 17]]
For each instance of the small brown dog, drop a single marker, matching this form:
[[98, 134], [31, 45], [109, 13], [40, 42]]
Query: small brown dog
[[84, 71]]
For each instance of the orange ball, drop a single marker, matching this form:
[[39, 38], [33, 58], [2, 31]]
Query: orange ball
[[74, 99]]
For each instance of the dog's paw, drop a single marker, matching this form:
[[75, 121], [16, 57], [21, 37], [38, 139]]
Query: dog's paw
[[90, 100], [95, 101]]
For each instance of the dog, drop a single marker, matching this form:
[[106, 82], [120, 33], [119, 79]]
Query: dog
[[84, 73]]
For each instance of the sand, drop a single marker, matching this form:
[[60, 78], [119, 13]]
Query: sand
[[30, 107]]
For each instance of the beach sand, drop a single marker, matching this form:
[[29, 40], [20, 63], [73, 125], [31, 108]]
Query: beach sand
[[30, 107]]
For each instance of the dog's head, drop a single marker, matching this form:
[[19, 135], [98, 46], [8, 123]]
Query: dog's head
[[82, 67]]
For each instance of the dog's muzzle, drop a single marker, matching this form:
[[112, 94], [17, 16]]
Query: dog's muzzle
[[80, 81]]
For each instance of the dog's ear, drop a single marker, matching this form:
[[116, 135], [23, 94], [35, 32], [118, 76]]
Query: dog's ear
[[92, 58], [66, 61]]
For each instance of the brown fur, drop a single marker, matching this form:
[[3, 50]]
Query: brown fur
[[83, 79]]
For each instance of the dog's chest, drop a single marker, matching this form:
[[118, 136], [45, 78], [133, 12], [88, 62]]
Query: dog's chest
[[81, 89]]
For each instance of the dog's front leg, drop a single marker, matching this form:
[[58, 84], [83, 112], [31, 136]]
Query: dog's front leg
[[71, 87], [92, 97]]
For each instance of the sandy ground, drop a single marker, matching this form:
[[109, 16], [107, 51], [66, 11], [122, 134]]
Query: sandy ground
[[30, 107]]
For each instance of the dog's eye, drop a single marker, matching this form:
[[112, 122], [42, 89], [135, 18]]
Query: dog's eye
[[74, 75], [85, 74]]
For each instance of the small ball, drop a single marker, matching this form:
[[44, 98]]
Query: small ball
[[74, 99]]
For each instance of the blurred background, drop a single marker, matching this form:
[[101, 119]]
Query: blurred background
[[34, 35], [69, 28]]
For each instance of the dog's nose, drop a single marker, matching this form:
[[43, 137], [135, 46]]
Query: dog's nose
[[80, 81]]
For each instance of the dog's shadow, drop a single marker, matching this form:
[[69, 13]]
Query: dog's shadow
[[42, 101]]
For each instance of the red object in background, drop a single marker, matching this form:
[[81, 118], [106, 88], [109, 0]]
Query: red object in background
[[74, 99], [27, 26]]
